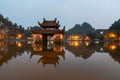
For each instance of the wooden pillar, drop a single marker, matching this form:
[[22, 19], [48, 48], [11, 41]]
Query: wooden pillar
[[44, 42]]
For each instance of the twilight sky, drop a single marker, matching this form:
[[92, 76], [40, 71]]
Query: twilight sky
[[99, 13]]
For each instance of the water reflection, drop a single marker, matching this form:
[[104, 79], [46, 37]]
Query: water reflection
[[86, 49], [9, 50], [80, 48], [49, 54], [52, 53], [114, 50], [74, 43]]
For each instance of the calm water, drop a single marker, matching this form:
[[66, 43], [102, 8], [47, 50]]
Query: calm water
[[73, 60]]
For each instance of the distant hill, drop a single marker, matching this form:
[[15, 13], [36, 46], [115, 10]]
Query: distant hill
[[82, 30], [115, 26], [35, 28]]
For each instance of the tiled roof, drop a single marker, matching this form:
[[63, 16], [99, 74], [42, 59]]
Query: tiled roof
[[47, 31], [49, 24]]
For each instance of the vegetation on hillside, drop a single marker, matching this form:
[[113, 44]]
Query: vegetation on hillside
[[13, 28]]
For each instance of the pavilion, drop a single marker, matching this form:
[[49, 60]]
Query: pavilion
[[49, 30]]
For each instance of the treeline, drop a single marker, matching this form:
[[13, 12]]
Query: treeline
[[13, 28], [115, 26], [9, 24]]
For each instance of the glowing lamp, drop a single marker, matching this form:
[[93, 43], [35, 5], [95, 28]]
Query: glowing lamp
[[19, 36], [112, 47]]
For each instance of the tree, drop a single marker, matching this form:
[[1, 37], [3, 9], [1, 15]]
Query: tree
[[12, 27], [91, 35]]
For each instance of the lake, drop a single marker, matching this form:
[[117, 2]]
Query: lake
[[73, 60]]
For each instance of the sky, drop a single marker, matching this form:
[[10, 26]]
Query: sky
[[99, 13]]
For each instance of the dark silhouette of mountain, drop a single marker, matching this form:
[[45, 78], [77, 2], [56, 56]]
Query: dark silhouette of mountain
[[36, 28], [115, 26], [82, 30]]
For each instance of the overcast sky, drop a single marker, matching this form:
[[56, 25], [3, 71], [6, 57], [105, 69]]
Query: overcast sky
[[99, 13]]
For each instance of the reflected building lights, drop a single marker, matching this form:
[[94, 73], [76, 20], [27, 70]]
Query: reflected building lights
[[111, 46], [74, 43], [87, 43], [52, 56], [2, 44], [37, 47], [58, 48], [19, 44]]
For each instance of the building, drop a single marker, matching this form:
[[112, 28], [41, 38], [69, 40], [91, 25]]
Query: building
[[75, 38], [111, 35], [3, 32], [49, 31]]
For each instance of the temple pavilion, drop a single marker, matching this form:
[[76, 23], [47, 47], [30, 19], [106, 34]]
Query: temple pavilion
[[49, 30]]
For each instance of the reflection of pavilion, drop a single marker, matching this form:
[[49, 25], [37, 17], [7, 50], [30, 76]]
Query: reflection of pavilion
[[50, 54]]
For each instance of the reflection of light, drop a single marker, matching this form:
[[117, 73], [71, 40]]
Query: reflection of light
[[58, 48], [49, 44], [87, 43], [29, 42], [112, 47], [19, 44], [1, 36], [2, 44], [119, 38], [37, 47], [74, 43]]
